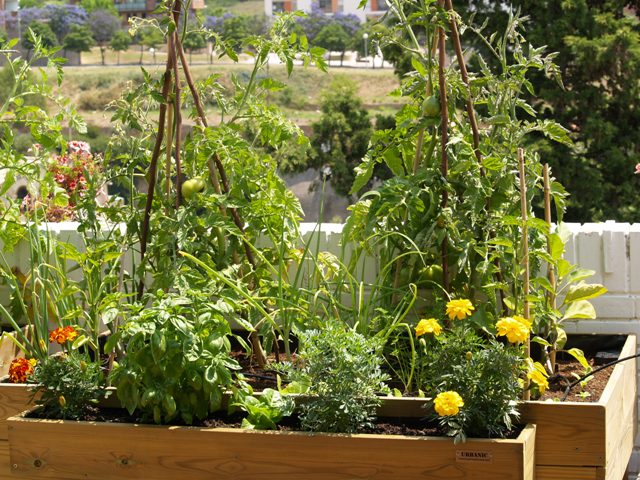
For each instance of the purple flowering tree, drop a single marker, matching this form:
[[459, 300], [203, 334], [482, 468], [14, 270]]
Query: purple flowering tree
[[104, 25], [316, 20], [62, 17]]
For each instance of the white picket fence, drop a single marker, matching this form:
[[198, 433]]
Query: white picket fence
[[611, 249]]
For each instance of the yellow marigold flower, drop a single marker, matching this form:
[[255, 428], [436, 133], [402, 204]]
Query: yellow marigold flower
[[523, 321], [448, 403], [459, 309], [429, 325], [537, 377], [516, 329]]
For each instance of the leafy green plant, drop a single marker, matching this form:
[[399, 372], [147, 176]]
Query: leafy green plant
[[265, 411], [343, 371], [563, 294], [42, 297], [177, 362], [449, 217]]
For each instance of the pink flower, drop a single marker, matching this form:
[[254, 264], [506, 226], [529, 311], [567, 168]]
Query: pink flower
[[637, 172]]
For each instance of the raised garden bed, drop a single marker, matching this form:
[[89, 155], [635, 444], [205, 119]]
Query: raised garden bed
[[74, 450]]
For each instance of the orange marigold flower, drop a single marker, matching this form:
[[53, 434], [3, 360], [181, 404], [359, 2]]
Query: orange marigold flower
[[63, 334], [20, 369]]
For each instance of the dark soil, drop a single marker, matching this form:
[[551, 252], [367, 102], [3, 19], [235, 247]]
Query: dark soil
[[568, 372], [414, 427]]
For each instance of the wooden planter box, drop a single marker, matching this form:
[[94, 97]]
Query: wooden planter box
[[580, 441], [65, 450]]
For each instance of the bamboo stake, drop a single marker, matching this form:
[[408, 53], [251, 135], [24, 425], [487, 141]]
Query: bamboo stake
[[525, 258], [550, 269], [169, 145], [465, 78], [153, 169], [444, 138], [178, 112]]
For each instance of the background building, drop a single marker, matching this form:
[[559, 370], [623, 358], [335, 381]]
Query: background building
[[374, 8]]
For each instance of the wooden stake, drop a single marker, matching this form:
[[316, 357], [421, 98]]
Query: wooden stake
[[465, 78], [525, 257], [444, 138], [550, 271]]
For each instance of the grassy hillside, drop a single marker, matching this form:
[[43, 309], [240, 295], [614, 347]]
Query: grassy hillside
[[93, 88]]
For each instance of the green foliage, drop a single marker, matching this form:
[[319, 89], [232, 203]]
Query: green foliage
[[79, 39], [598, 46], [194, 40], [46, 36], [92, 5], [342, 369], [477, 227], [120, 41], [177, 363], [265, 411], [8, 84], [564, 299], [68, 385], [341, 136], [333, 38]]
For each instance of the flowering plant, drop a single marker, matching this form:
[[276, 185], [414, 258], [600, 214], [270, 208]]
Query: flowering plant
[[475, 380], [69, 178]]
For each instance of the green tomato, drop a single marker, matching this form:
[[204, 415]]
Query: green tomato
[[431, 106], [432, 273], [192, 186]]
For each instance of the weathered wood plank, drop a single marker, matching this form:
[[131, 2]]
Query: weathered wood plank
[[41, 449]]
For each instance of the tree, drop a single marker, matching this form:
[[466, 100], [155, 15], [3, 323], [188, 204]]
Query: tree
[[334, 39], [194, 40], [598, 47], [42, 31], [149, 37], [79, 40], [316, 20], [341, 136], [120, 42], [103, 25], [63, 17]]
